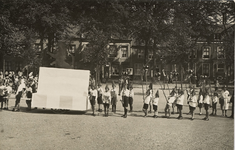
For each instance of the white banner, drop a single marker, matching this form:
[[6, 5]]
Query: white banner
[[62, 89]]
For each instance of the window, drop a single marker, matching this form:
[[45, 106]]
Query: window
[[206, 69], [138, 68], [193, 54], [129, 71], [72, 49], [220, 68], [220, 52], [206, 52], [38, 47], [140, 53], [18, 66], [124, 51], [7, 66], [113, 51], [115, 70]]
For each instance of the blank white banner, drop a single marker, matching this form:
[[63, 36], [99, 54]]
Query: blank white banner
[[62, 89]]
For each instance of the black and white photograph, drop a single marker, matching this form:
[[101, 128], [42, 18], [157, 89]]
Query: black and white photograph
[[117, 74]]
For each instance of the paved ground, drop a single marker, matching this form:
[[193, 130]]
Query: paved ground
[[43, 129]]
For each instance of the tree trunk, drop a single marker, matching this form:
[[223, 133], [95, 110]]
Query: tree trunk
[[145, 58], [154, 59], [227, 80], [42, 49], [98, 74], [181, 75]]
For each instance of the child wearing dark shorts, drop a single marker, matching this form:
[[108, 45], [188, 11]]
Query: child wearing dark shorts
[[192, 104], [155, 104], [125, 99], [106, 100], [146, 103], [206, 102], [200, 101], [93, 98], [214, 103], [99, 98], [113, 97], [180, 103]]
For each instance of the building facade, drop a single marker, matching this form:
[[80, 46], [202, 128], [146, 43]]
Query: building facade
[[128, 58]]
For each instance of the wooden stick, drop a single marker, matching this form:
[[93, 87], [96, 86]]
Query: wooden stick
[[163, 90]]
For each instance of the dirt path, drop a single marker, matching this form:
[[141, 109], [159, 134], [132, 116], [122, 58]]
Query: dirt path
[[43, 129]]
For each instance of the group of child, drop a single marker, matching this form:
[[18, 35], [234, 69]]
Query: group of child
[[177, 98], [24, 87], [108, 97]]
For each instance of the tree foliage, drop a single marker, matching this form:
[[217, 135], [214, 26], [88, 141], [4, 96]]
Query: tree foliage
[[176, 25]]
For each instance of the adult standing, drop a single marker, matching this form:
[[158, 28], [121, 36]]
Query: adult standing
[[232, 101], [225, 101]]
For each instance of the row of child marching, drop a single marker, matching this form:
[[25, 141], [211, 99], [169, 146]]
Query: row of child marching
[[17, 84], [175, 100], [109, 96]]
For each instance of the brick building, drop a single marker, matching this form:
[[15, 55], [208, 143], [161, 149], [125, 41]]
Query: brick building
[[127, 57]]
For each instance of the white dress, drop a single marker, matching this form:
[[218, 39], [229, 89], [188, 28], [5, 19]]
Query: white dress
[[226, 99]]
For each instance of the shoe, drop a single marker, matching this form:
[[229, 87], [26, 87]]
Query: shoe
[[125, 116], [180, 118], [145, 116], [226, 116], [155, 116], [173, 113], [207, 119], [204, 118], [200, 113], [93, 115], [192, 118]]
